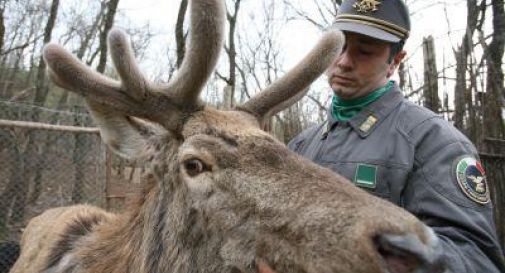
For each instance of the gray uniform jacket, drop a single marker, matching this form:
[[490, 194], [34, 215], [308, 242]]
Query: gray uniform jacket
[[410, 156]]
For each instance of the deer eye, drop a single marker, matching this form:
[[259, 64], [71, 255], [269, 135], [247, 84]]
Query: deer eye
[[195, 167]]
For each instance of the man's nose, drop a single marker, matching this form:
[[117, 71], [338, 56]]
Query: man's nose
[[344, 61]]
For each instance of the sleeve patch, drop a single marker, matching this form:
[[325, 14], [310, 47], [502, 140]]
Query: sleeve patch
[[472, 179]]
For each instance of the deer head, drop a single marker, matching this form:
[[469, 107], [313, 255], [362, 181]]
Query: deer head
[[227, 196]]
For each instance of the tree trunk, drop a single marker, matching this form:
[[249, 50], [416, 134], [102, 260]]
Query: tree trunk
[[473, 123], [180, 37], [2, 29], [108, 22], [402, 76], [227, 97], [431, 100], [68, 96], [495, 92], [292, 122], [5, 76], [41, 85], [229, 94], [462, 54], [29, 81], [91, 33], [19, 59], [8, 87]]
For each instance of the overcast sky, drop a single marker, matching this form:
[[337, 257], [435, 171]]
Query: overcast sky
[[429, 17]]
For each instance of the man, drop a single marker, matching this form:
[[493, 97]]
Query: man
[[398, 150]]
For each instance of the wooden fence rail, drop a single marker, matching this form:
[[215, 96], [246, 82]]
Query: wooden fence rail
[[49, 127]]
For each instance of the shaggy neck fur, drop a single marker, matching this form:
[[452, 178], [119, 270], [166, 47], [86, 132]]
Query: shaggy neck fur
[[161, 234]]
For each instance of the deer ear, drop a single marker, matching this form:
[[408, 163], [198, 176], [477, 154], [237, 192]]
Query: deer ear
[[126, 136]]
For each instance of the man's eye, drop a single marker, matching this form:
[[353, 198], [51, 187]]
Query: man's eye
[[365, 52]]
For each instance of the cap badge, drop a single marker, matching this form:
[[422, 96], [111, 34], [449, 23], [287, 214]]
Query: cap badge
[[366, 5]]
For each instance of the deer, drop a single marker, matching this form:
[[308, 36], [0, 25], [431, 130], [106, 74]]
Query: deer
[[220, 193]]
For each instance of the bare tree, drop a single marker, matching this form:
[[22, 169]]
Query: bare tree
[[430, 90], [14, 40], [41, 87], [26, 151], [495, 91], [2, 27], [462, 54], [325, 15], [107, 25], [231, 52], [259, 51], [85, 44], [494, 131]]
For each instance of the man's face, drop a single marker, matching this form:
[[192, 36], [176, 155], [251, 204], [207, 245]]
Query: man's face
[[362, 66]]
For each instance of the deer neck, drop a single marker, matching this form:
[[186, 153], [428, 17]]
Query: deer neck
[[161, 235]]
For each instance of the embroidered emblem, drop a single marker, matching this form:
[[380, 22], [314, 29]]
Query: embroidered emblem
[[366, 176], [472, 179], [366, 5], [368, 124]]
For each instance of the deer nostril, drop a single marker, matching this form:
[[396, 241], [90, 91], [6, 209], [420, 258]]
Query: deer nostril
[[407, 254]]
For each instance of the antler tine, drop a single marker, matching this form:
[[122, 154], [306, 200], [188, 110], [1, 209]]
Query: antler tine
[[70, 73], [73, 74], [126, 66], [206, 40], [298, 79]]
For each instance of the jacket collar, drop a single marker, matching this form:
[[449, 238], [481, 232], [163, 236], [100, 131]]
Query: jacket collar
[[365, 122]]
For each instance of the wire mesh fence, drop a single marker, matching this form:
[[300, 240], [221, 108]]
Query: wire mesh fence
[[41, 168]]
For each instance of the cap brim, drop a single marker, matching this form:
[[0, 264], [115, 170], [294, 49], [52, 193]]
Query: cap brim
[[368, 31]]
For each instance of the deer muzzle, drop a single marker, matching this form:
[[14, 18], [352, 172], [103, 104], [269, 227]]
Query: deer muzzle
[[407, 254]]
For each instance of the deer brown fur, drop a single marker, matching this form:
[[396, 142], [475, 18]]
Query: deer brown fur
[[221, 194]]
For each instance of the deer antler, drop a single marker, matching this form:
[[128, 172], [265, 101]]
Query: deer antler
[[289, 87], [206, 42], [134, 95]]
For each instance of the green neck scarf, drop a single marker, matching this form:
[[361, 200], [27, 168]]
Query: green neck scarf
[[344, 110]]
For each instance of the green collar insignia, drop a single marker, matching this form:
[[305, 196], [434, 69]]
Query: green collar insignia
[[366, 176], [368, 124]]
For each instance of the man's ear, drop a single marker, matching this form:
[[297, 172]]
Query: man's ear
[[396, 62]]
